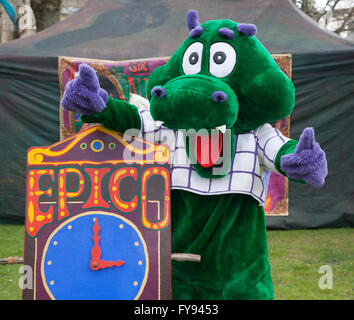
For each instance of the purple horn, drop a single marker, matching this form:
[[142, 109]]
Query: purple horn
[[192, 19], [247, 29], [195, 29]]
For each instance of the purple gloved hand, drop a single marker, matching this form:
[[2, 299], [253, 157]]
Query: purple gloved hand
[[83, 94], [308, 162]]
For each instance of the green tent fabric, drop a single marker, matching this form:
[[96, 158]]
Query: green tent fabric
[[323, 74], [116, 30]]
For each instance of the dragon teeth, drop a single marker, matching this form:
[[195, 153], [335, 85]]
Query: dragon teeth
[[159, 123], [222, 128]]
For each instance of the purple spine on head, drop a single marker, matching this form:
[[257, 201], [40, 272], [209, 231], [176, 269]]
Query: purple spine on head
[[227, 33], [195, 29], [247, 29]]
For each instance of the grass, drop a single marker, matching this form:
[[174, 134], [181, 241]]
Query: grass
[[295, 257], [11, 245]]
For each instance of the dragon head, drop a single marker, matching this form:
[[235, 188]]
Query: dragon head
[[221, 77]]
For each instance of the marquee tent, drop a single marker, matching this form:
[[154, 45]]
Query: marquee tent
[[323, 74]]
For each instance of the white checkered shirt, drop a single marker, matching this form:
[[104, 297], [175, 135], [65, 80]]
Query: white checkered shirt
[[254, 156]]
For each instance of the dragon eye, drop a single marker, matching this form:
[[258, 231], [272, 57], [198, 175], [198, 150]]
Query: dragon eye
[[222, 59], [219, 57], [192, 58]]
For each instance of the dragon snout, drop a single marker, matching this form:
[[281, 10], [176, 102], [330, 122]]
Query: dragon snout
[[194, 101]]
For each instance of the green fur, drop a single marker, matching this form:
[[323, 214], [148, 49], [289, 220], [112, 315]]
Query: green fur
[[189, 103], [228, 230], [262, 92], [118, 115], [257, 90]]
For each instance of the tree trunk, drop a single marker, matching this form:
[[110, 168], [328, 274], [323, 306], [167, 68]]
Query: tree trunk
[[47, 12]]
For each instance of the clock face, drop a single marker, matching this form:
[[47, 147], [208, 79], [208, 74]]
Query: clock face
[[66, 270]]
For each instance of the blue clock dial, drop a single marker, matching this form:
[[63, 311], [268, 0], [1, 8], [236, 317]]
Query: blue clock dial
[[66, 259]]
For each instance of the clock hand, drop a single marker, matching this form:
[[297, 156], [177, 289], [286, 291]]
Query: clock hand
[[96, 253], [102, 264], [96, 250]]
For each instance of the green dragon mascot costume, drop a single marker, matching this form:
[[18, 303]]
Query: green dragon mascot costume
[[211, 103]]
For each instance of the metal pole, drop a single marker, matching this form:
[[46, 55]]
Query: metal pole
[[186, 257], [11, 260]]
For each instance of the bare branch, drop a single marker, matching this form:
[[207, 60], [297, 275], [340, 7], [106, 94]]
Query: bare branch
[[341, 18], [335, 4], [345, 22]]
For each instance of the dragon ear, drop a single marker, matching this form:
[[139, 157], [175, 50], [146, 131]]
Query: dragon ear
[[247, 29], [194, 27]]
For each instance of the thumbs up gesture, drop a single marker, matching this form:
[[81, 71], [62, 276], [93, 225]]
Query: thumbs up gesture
[[83, 94], [308, 162]]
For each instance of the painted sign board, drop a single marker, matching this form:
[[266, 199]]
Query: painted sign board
[[97, 220]]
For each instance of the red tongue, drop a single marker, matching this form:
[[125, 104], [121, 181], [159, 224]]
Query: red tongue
[[207, 149]]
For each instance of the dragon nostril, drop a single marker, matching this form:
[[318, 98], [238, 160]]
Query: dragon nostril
[[219, 96], [158, 92]]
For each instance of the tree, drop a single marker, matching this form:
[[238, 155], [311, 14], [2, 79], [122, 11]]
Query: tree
[[335, 15], [47, 12]]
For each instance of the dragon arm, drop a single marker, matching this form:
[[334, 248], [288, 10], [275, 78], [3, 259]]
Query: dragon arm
[[287, 148], [302, 161], [118, 115]]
